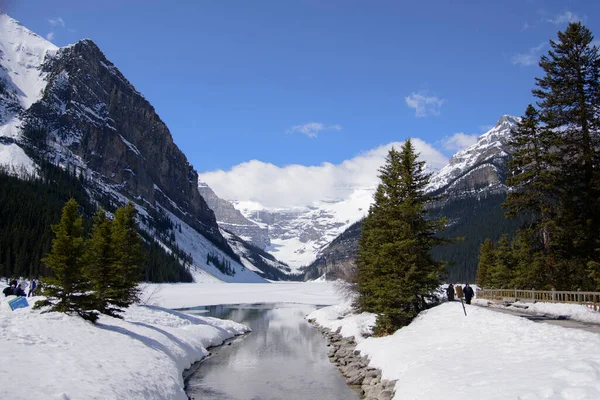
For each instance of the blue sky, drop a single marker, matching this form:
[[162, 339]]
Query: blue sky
[[240, 80]]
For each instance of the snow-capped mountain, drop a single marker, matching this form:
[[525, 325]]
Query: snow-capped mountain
[[293, 235], [22, 81], [472, 187], [480, 163], [71, 106], [298, 234]]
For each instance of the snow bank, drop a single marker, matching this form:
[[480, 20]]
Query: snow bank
[[55, 356], [341, 316], [485, 355]]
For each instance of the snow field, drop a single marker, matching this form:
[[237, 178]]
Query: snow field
[[485, 355], [55, 356], [181, 295]]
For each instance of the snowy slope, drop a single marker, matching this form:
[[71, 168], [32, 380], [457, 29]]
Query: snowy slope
[[193, 243], [22, 83], [15, 160], [22, 52]]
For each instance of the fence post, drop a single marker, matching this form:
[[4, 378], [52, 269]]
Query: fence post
[[553, 294], [532, 294], [578, 295], [515, 293]]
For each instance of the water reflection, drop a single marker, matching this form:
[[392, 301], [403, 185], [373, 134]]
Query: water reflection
[[283, 357]]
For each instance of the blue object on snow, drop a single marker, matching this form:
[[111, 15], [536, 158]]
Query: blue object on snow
[[19, 302]]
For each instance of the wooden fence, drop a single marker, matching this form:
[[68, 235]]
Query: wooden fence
[[589, 299]]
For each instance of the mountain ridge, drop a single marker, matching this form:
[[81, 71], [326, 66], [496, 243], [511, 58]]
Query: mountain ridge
[[86, 117]]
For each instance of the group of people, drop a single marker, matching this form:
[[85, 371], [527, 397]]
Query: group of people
[[466, 292], [18, 288]]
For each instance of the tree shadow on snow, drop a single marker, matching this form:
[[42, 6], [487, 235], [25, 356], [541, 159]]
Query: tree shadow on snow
[[152, 343], [186, 317]]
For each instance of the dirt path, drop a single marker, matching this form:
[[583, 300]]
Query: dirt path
[[549, 319]]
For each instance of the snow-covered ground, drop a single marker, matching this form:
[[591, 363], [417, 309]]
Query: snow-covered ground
[[485, 355], [55, 356], [442, 354], [183, 295]]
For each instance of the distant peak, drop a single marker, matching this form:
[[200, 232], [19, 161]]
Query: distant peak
[[507, 120]]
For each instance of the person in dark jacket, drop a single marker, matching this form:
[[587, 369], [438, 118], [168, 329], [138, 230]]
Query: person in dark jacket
[[468, 292], [32, 287], [450, 292], [8, 291]]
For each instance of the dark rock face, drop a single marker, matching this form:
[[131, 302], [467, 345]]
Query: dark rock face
[[229, 218], [95, 119], [337, 260]]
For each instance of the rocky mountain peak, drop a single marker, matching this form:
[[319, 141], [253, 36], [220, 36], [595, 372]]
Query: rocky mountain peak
[[491, 147], [507, 121]]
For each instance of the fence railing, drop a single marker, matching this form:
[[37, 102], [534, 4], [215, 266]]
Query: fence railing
[[589, 299]]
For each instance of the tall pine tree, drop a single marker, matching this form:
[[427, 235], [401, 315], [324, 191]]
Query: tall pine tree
[[533, 174], [395, 269], [98, 264], [569, 95], [127, 263], [487, 260], [67, 290]]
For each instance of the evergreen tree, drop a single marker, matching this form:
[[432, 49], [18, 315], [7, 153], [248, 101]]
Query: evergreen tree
[[530, 263], [533, 174], [127, 263], [395, 269], [99, 265], [486, 262], [501, 273], [67, 290], [569, 95]]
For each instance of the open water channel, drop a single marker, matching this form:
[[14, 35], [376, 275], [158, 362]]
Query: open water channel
[[284, 357]]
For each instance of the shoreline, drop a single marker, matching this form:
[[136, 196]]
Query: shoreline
[[355, 368]]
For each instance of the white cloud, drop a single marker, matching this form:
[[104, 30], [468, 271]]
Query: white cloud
[[531, 57], [564, 18], [58, 21], [50, 35], [299, 185], [312, 129], [459, 141], [424, 106]]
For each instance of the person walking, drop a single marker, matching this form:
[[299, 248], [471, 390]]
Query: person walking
[[459, 291], [450, 292], [32, 287], [468, 291]]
